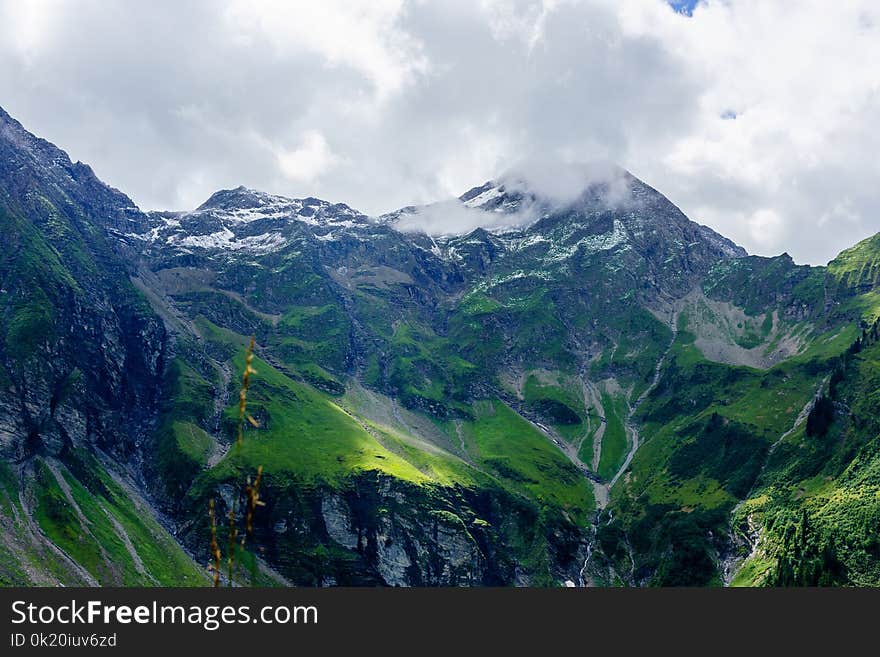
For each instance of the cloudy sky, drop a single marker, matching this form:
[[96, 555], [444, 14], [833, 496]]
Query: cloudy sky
[[757, 118]]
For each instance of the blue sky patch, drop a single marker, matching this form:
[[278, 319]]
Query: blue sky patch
[[685, 7]]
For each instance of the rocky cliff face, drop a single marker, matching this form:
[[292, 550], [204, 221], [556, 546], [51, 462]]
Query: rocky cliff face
[[82, 353], [397, 535]]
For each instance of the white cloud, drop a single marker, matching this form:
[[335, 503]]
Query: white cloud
[[361, 34], [801, 81], [26, 26], [841, 213], [562, 182], [517, 20], [310, 160], [388, 103], [765, 227], [453, 218]]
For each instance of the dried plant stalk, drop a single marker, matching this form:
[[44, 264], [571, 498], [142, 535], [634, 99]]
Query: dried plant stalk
[[215, 547], [252, 489], [252, 492], [242, 394], [233, 534]]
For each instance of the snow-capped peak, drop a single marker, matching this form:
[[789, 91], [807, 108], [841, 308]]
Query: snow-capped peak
[[244, 219], [479, 196], [494, 196], [242, 198]]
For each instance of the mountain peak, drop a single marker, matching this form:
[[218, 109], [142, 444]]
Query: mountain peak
[[598, 204], [32, 163], [241, 198], [251, 221], [549, 184]]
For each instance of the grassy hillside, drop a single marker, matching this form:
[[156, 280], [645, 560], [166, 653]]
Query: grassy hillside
[[74, 524], [816, 512], [754, 449], [507, 491]]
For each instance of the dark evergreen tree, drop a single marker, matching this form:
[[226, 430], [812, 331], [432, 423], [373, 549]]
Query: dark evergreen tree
[[821, 416]]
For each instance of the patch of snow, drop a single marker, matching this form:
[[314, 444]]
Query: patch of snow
[[519, 243], [220, 239], [332, 221], [436, 249], [501, 279], [225, 240], [485, 197], [265, 243], [590, 244], [275, 210]]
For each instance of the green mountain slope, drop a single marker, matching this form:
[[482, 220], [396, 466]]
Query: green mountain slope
[[728, 473], [482, 500]]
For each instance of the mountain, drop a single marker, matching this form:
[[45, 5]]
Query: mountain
[[531, 384], [81, 359]]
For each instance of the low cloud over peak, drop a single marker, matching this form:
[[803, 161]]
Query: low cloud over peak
[[519, 197]]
